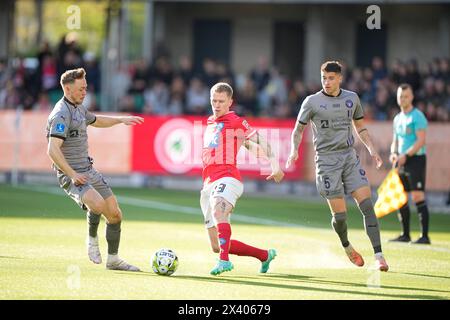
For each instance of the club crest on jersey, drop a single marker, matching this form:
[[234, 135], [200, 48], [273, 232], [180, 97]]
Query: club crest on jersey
[[60, 127], [349, 103], [214, 143]]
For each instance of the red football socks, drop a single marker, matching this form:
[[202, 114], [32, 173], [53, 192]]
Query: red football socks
[[242, 249], [224, 233]]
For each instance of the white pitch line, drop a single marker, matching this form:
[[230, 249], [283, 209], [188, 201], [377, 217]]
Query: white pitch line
[[151, 204], [197, 211]]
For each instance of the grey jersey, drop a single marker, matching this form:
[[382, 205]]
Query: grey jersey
[[69, 122], [331, 119]]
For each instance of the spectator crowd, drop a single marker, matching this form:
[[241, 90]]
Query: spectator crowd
[[167, 87]]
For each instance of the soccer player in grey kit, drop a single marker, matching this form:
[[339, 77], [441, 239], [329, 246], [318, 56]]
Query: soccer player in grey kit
[[332, 112], [68, 150]]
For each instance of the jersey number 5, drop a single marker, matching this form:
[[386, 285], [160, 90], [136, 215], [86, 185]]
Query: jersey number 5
[[326, 182]]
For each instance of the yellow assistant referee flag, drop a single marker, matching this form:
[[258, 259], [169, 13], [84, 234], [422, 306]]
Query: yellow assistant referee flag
[[391, 195]]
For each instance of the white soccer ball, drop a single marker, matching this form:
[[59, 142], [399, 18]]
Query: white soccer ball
[[164, 262]]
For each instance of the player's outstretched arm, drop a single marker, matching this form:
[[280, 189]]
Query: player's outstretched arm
[[364, 136], [103, 121], [277, 174], [296, 138]]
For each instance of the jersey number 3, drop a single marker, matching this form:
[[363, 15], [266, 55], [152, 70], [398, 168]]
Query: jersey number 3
[[220, 187]]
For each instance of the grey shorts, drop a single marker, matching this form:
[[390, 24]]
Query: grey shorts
[[339, 173], [95, 181]]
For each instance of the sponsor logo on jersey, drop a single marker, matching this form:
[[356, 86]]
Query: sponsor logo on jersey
[[73, 134], [214, 143], [336, 105], [349, 103]]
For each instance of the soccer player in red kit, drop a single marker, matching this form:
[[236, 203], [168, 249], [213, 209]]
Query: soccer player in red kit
[[222, 183]]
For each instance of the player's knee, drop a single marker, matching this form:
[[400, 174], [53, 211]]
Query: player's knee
[[114, 215], [417, 196], [98, 206], [220, 216]]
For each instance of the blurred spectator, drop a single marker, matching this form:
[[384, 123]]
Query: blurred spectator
[[274, 93], [185, 69], [157, 87], [176, 104], [296, 94], [412, 75], [156, 98], [444, 70], [197, 97], [378, 69], [260, 75], [43, 103], [162, 70], [247, 99], [177, 96], [126, 104], [49, 77], [92, 71], [208, 73], [140, 78], [121, 82]]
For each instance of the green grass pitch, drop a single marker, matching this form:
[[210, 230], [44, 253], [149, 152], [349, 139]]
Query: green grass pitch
[[43, 256]]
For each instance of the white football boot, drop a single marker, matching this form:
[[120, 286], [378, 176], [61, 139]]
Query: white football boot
[[93, 250]]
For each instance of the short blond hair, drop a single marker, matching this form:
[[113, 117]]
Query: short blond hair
[[71, 75], [222, 87]]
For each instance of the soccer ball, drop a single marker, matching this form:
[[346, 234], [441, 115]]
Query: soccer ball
[[165, 262]]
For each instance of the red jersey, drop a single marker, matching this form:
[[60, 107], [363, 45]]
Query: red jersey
[[222, 140]]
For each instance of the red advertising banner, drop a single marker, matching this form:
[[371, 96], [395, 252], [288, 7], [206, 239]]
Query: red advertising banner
[[173, 146]]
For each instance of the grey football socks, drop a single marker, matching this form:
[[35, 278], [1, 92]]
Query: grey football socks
[[93, 220], [371, 223], [113, 237], [340, 226]]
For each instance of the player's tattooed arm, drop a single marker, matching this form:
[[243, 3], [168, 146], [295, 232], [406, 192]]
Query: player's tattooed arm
[[364, 136], [296, 139], [263, 144], [277, 174], [255, 149]]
